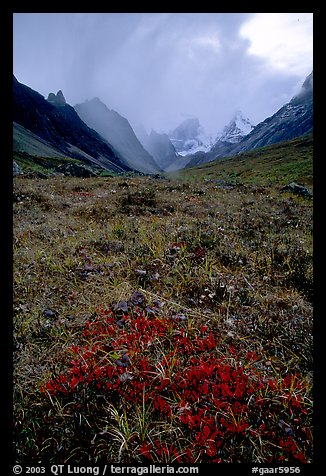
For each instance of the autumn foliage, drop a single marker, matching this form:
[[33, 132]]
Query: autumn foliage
[[212, 404]]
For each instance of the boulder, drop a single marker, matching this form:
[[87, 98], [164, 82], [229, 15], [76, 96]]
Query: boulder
[[298, 189], [75, 170], [15, 169]]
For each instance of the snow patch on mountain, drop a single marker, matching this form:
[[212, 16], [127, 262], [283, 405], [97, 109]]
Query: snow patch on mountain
[[190, 137], [238, 127]]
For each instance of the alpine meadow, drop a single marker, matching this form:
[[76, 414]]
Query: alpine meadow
[[163, 283]]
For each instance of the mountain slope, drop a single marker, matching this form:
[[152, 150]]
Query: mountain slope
[[161, 148], [118, 132], [26, 141], [59, 125], [279, 164], [236, 130], [292, 120], [189, 137]]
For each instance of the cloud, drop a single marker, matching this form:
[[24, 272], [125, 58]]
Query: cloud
[[157, 68], [283, 41], [195, 47]]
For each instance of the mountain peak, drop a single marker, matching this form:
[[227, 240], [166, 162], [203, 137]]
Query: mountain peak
[[190, 137], [57, 99], [117, 130], [238, 127], [188, 129], [306, 91]]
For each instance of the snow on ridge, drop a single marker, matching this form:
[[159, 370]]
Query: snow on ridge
[[200, 141], [238, 127]]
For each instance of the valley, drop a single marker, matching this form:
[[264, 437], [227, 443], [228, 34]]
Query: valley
[[162, 228], [278, 164], [165, 319], [163, 286]]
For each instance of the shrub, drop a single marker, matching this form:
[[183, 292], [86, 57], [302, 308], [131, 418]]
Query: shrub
[[146, 198], [164, 391]]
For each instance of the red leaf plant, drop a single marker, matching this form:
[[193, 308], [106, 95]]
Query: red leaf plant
[[225, 408]]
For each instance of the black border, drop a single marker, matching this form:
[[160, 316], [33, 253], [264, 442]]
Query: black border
[[6, 18]]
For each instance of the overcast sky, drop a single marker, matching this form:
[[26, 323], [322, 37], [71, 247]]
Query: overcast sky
[[157, 69]]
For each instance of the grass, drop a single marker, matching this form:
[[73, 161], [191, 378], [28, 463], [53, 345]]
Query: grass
[[31, 164], [161, 320], [278, 164]]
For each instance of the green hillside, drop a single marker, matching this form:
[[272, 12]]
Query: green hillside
[[276, 164]]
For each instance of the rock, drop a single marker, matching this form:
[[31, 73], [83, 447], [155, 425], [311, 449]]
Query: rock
[[51, 97], [49, 313], [124, 361], [137, 298], [34, 174], [121, 323], [179, 317], [220, 183], [141, 272], [298, 189], [57, 99], [75, 170], [126, 376], [121, 306], [60, 98], [15, 169]]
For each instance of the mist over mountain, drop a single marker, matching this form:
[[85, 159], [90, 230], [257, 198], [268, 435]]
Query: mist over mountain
[[160, 147], [94, 133], [194, 143], [118, 132], [141, 134], [236, 130], [189, 137], [57, 125], [292, 120], [305, 95]]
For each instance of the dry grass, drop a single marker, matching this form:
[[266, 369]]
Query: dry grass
[[238, 260]]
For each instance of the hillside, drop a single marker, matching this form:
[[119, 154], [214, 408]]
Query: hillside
[[292, 120], [25, 140], [164, 320], [161, 148], [277, 164], [118, 132], [58, 126]]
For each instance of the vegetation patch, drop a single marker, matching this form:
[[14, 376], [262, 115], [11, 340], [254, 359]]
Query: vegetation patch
[[159, 388], [282, 163], [161, 320]]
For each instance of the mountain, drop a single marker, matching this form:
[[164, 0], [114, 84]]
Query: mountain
[[118, 132], [161, 148], [50, 126], [238, 127], [25, 140], [292, 120], [279, 164], [236, 130], [189, 137], [141, 134]]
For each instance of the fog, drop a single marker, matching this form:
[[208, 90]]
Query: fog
[[157, 69]]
